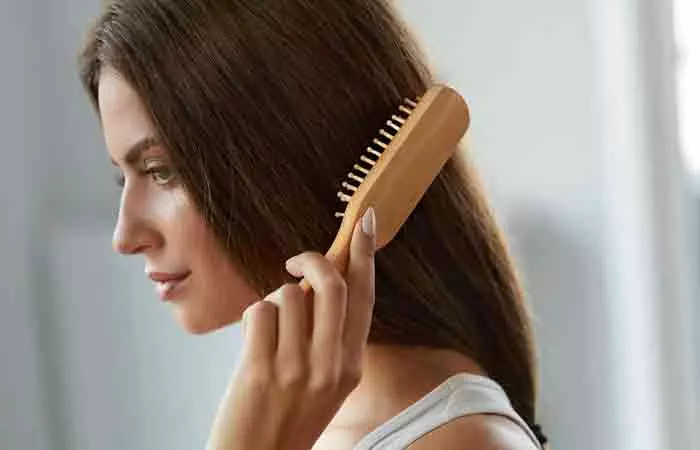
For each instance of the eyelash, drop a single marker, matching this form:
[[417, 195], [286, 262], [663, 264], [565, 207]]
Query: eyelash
[[151, 172], [154, 171]]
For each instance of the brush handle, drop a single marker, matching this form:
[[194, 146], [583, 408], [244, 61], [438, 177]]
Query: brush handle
[[338, 254]]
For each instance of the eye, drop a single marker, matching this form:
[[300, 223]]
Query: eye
[[161, 174]]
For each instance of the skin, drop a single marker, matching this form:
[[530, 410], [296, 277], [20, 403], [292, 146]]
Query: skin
[[157, 220], [307, 375]]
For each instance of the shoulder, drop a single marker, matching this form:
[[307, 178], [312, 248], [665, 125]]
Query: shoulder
[[477, 432]]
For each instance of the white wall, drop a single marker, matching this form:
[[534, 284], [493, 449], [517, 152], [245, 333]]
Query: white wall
[[526, 68], [574, 129], [129, 377], [22, 419]]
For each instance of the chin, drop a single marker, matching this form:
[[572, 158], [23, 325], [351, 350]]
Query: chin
[[199, 324]]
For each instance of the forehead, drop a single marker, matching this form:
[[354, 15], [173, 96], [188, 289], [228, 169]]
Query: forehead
[[122, 114]]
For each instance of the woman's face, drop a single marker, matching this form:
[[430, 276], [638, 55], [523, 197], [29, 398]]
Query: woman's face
[[188, 266]]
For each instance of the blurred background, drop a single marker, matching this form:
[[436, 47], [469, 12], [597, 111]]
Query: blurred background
[[585, 128]]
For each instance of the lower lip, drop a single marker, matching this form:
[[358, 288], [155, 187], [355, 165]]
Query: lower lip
[[169, 290]]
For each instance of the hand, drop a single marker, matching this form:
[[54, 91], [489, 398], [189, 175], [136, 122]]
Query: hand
[[302, 354]]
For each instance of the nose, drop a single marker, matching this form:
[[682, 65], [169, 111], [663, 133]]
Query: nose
[[133, 232]]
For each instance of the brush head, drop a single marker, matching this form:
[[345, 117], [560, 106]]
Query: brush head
[[400, 164]]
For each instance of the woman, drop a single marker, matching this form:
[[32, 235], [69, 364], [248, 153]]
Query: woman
[[231, 123]]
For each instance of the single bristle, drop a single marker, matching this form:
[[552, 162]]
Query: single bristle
[[398, 119], [365, 159], [393, 125], [349, 186], [352, 176], [380, 144], [406, 110], [339, 215], [386, 134], [411, 103], [359, 168], [344, 197], [374, 152]]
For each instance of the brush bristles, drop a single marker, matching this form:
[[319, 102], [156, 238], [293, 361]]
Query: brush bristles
[[365, 159], [374, 152], [393, 126]]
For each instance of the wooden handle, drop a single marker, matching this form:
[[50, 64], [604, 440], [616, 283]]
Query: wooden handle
[[338, 254]]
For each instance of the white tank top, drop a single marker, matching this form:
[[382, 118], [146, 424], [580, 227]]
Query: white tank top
[[460, 395]]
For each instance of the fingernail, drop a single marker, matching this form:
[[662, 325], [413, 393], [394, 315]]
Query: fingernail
[[369, 223], [292, 266]]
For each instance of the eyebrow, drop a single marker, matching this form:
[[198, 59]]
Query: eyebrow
[[133, 155]]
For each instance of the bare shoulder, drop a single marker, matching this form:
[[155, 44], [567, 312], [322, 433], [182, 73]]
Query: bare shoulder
[[478, 432]]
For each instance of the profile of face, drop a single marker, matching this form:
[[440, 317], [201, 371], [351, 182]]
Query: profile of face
[[188, 265]]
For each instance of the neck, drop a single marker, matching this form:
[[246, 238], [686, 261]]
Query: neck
[[394, 377]]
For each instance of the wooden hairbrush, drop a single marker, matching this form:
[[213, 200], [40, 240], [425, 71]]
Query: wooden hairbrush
[[399, 166]]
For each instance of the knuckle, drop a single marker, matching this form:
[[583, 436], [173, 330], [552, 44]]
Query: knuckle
[[290, 291], [261, 309], [324, 381], [334, 284], [293, 376], [257, 379], [248, 310]]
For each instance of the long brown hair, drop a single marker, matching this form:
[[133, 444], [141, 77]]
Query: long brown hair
[[265, 105]]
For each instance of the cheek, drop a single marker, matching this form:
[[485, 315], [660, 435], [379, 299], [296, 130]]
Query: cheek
[[221, 287], [187, 235], [172, 207]]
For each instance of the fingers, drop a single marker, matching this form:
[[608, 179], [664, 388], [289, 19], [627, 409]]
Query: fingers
[[329, 299], [286, 328], [294, 331], [260, 325], [360, 279]]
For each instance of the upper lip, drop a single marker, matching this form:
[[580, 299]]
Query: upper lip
[[164, 277]]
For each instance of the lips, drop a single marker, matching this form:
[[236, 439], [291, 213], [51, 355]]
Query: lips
[[168, 284], [164, 277]]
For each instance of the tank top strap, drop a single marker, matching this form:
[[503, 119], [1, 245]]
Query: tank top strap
[[460, 395]]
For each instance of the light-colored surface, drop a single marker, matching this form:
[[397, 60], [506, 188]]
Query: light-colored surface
[[574, 131], [22, 420], [458, 396], [128, 376], [561, 92], [688, 35]]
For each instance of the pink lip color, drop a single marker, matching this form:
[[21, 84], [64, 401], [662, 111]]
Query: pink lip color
[[168, 285]]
